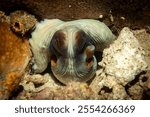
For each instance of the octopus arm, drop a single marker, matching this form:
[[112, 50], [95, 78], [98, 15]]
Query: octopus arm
[[40, 42]]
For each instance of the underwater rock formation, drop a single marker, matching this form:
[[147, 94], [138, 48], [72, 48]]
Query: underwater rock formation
[[14, 58], [121, 63], [22, 22]]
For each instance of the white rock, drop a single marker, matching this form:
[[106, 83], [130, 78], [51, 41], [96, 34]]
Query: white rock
[[124, 59]]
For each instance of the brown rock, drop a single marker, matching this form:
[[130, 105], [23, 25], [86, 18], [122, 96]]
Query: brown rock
[[14, 58], [4, 18], [22, 22], [73, 91]]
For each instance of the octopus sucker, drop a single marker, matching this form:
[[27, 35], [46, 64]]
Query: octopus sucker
[[69, 47]]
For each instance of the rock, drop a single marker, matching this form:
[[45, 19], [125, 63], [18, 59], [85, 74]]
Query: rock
[[22, 22], [122, 62], [4, 18], [136, 92], [14, 58], [144, 41], [37, 82], [44, 87], [74, 90], [124, 59]]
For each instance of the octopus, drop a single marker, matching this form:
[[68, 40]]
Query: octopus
[[69, 47]]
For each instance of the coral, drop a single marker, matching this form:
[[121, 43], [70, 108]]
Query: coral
[[22, 22], [14, 58]]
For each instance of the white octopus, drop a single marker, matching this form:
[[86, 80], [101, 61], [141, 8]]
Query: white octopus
[[69, 47]]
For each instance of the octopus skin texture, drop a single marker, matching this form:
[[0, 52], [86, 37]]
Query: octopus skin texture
[[69, 47]]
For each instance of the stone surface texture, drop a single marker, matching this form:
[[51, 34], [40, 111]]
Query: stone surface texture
[[15, 55], [125, 58]]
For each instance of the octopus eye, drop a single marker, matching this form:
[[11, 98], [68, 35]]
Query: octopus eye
[[53, 61]]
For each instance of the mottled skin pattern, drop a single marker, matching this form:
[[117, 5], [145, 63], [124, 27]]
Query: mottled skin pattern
[[69, 47]]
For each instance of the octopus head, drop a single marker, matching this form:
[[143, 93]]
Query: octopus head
[[72, 55]]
